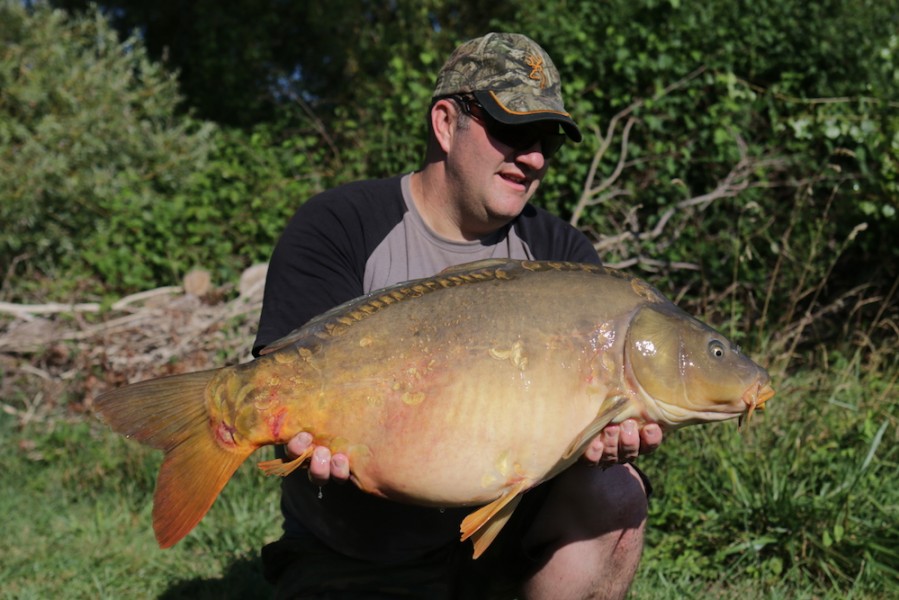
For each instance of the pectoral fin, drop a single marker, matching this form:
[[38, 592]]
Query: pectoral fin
[[606, 415], [484, 524]]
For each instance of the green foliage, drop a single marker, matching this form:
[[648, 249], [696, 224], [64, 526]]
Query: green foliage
[[761, 151], [87, 133], [801, 504], [224, 218], [103, 180], [239, 60], [785, 111], [805, 494], [780, 110], [377, 104]]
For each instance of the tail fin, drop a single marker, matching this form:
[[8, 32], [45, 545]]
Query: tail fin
[[170, 414]]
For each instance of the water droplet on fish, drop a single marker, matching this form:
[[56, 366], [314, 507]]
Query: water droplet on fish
[[442, 510]]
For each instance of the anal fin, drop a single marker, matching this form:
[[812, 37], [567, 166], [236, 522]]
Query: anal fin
[[282, 468]]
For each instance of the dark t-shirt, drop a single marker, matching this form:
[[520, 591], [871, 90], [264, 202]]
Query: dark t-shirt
[[342, 244]]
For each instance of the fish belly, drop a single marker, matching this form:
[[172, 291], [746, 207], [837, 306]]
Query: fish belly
[[451, 421], [450, 397]]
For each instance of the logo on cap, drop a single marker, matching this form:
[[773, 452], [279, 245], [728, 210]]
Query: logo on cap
[[536, 64]]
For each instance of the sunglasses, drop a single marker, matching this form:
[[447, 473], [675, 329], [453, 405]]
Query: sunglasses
[[517, 137]]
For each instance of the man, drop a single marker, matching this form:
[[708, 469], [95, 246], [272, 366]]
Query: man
[[495, 123]]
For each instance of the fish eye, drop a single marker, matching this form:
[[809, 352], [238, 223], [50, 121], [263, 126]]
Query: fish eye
[[716, 349]]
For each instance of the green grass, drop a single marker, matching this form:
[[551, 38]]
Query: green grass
[[76, 502], [803, 503]]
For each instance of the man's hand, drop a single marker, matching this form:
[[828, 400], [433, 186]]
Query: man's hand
[[623, 442], [322, 466]]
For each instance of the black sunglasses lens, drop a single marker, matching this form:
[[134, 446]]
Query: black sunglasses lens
[[551, 144], [515, 136], [522, 137]]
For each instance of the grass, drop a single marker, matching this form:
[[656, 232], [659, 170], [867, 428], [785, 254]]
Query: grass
[[76, 502], [802, 503]]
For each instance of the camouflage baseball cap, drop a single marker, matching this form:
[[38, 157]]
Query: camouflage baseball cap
[[512, 77]]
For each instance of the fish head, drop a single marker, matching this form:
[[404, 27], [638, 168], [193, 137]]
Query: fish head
[[686, 372]]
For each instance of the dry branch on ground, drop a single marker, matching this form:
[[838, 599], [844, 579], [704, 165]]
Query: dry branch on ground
[[52, 354]]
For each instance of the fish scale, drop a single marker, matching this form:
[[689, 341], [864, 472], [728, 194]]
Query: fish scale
[[463, 389]]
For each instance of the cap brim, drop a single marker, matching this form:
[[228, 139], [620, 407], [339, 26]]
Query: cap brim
[[498, 112]]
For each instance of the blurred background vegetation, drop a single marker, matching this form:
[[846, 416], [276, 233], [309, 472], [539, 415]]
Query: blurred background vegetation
[[742, 156], [745, 154]]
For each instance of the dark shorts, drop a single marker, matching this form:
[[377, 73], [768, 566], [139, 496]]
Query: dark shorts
[[305, 568]]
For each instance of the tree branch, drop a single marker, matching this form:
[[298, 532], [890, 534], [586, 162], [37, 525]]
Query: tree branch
[[589, 191]]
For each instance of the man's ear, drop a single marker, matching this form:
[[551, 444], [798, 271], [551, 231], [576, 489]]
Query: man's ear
[[444, 114]]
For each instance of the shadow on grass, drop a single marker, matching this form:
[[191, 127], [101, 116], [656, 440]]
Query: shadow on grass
[[243, 579]]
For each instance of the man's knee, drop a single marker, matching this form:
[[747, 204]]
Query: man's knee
[[588, 536], [621, 493], [588, 502]]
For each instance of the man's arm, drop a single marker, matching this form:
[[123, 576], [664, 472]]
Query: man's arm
[[312, 269]]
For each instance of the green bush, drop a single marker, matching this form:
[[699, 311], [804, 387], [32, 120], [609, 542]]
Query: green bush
[[87, 132], [106, 185], [105, 176], [224, 217], [791, 104]]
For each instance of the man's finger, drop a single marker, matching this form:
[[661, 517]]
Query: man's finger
[[298, 444], [320, 466], [340, 468], [610, 437], [650, 438], [628, 441]]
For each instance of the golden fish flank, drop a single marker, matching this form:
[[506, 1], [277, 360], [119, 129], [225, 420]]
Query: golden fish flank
[[498, 352], [515, 355]]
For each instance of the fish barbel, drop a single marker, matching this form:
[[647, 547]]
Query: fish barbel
[[525, 362]]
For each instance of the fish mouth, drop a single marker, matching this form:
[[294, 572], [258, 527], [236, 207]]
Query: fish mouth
[[755, 397]]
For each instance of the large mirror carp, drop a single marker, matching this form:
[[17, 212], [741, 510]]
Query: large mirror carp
[[524, 362]]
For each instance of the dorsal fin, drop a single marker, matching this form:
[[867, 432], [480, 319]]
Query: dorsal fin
[[336, 320], [345, 315], [485, 263]]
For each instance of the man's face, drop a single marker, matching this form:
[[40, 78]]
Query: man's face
[[496, 169]]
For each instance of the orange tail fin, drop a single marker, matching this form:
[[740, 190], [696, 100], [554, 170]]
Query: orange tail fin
[[170, 414]]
